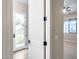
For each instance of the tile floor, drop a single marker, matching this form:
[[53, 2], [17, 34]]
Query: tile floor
[[23, 54], [70, 52]]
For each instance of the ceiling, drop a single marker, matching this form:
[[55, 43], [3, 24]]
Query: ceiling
[[72, 4]]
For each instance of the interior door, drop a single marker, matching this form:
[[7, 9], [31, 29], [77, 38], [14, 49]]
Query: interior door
[[36, 29]]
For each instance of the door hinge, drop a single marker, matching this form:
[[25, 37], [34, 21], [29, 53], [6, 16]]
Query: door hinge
[[45, 18], [45, 43]]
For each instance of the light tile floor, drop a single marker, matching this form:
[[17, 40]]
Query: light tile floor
[[23, 54], [70, 52]]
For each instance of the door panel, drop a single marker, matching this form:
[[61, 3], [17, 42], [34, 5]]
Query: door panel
[[36, 33]]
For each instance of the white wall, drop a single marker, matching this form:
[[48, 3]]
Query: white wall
[[56, 19], [0, 29], [7, 29]]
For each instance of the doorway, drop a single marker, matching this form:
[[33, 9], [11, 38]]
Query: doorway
[[35, 21], [70, 29], [20, 29], [20, 24]]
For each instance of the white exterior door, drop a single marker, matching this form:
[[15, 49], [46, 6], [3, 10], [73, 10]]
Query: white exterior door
[[36, 29]]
